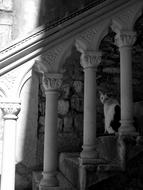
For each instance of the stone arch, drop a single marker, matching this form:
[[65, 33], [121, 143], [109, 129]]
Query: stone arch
[[66, 53], [90, 38], [21, 73], [26, 76], [52, 60], [126, 18], [27, 92]]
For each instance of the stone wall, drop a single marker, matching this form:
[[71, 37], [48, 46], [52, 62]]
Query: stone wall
[[54, 10]]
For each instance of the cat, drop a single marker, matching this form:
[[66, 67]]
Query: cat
[[111, 113]]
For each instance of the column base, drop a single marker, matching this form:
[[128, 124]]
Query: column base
[[127, 128], [88, 152], [48, 180]]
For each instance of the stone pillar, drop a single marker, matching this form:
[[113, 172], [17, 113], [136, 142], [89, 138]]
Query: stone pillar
[[51, 83], [89, 61], [10, 111], [125, 40]]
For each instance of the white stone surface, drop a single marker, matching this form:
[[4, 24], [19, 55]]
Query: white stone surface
[[27, 123]]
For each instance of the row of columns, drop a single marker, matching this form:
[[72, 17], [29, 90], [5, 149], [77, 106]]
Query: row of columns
[[52, 83], [90, 61]]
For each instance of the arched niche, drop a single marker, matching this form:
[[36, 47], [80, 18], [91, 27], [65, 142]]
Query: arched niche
[[70, 105], [26, 137], [108, 75], [108, 79], [137, 53]]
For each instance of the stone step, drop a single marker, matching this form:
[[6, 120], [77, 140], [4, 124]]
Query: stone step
[[64, 184], [69, 167]]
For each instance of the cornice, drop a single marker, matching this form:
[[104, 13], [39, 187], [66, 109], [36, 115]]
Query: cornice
[[46, 37]]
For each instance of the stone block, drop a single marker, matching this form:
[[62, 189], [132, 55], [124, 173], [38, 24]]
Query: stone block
[[78, 86], [60, 125], [78, 122], [66, 91], [77, 103], [63, 107], [107, 147], [68, 123], [69, 165]]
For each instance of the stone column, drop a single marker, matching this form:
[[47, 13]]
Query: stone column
[[89, 61], [51, 83], [10, 112], [125, 40]]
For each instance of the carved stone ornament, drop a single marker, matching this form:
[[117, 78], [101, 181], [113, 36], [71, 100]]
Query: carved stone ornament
[[52, 81], [125, 38], [8, 80], [90, 59], [89, 35], [10, 109], [126, 18]]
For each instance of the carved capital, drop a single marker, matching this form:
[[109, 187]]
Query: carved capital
[[10, 109], [52, 81], [125, 38], [90, 59]]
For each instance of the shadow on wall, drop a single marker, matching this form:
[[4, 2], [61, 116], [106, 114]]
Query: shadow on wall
[[54, 10], [26, 149]]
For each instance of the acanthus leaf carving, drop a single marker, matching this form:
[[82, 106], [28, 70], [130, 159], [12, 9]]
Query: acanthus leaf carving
[[88, 35], [8, 80], [52, 81], [51, 58], [90, 59], [125, 38], [10, 109], [125, 19]]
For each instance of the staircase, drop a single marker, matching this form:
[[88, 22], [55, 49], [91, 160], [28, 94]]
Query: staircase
[[113, 153]]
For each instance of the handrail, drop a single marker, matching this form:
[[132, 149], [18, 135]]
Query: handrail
[[57, 22], [22, 50]]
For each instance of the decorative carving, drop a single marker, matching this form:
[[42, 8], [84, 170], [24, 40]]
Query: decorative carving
[[89, 35], [51, 60], [90, 59], [50, 56], [52, 81], [125, 38], [91, 38], [10, 109], [8, 80], [125, 19]]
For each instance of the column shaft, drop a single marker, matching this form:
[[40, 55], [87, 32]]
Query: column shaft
[[89, 107], [51, 83], [50, 142], [126, 84], [8, 158], [89, 61], [125, 40]]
